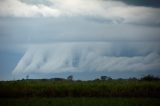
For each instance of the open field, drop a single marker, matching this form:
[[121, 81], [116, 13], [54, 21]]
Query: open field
[[80, 102], [109, 88], [80, 93]]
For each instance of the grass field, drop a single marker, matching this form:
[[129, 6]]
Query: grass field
[[113, 88], [80, 93], [80, 102]]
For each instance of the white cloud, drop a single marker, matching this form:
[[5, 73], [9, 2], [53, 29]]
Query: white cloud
[[116, 11], [79, 57], [16, 8]]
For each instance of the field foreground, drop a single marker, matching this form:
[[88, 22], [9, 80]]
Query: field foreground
[[47, 88], [80, 93], [80, 102]]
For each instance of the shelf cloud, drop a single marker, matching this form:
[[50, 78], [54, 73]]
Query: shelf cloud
[[88, 57]]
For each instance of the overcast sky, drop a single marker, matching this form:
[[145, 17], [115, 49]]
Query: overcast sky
[[85, 38]]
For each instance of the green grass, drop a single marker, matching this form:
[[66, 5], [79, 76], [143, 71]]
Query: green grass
[[80, 102], [113, 88], [80, 93]]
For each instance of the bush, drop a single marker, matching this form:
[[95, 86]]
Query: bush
[[150, 78]]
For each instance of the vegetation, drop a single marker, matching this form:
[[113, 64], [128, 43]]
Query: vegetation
[[99, 88], [61, 92], [80, 102], [150, 78]]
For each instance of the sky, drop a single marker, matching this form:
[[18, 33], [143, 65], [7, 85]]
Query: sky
[[83, 38]]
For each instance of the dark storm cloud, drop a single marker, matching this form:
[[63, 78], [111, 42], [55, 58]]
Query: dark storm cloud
[[146, 3]]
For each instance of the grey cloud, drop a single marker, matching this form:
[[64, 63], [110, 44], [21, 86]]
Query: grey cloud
[[116, 11], [37, 2], [148, 3], [26, 31], [59, 37]]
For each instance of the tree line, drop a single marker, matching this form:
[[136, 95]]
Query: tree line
[[102, 78]]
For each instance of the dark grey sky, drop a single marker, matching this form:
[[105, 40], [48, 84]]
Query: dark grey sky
[[149, 3]]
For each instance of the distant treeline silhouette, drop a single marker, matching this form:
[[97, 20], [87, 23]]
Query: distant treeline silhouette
[[71, 78]]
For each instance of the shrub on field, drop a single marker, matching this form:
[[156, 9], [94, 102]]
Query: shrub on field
[[150, 78]]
